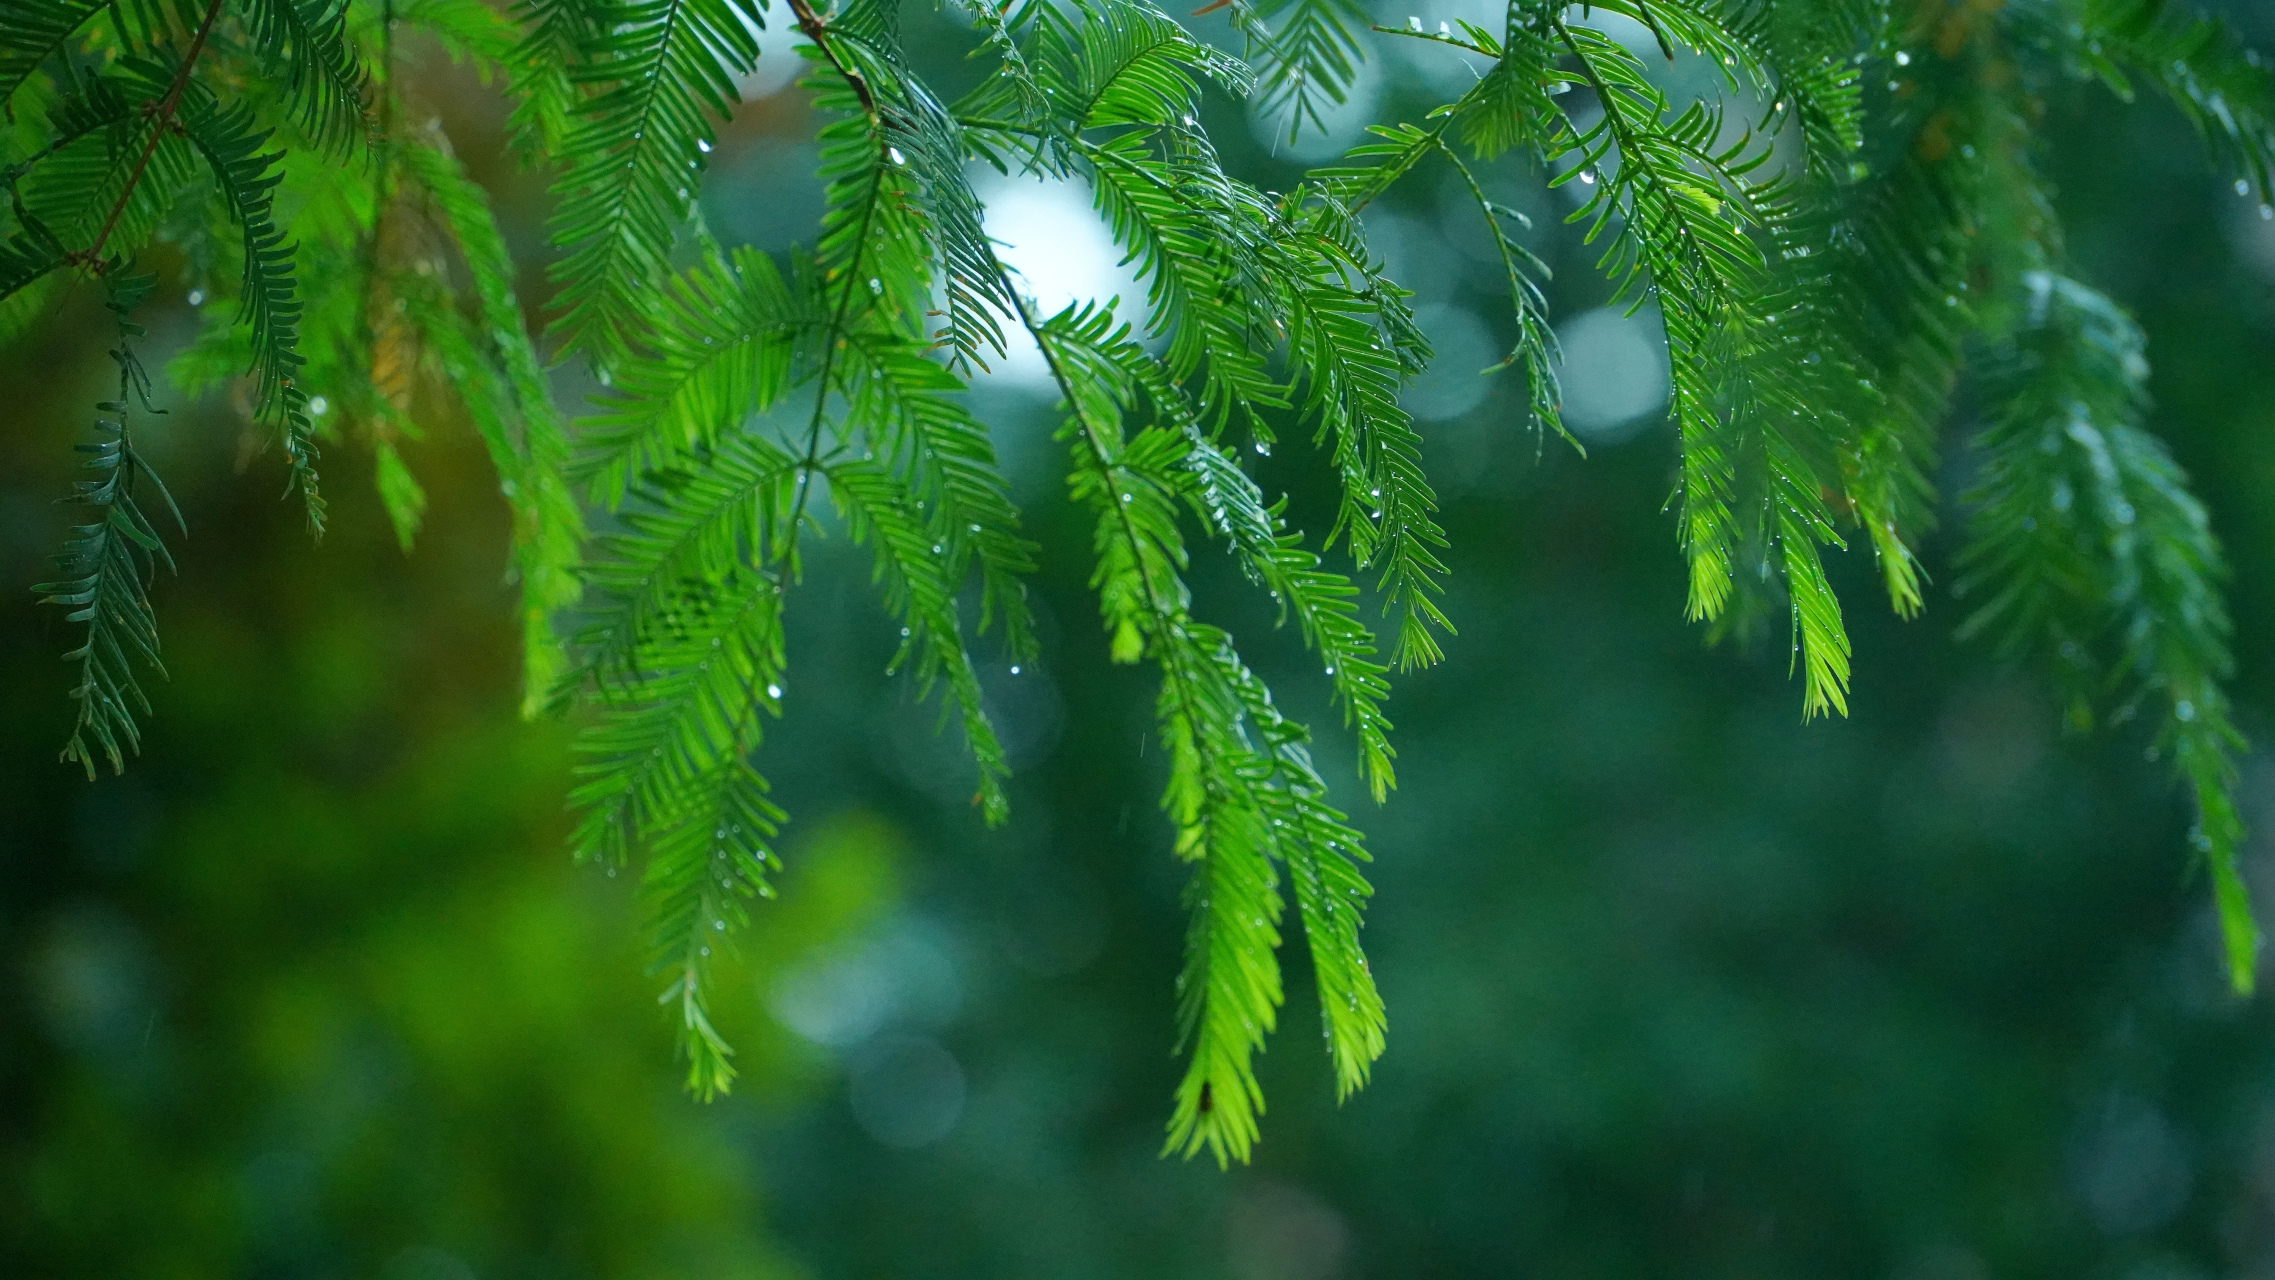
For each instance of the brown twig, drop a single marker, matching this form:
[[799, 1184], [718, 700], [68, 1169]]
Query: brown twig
[[161, 118], [816, 31]]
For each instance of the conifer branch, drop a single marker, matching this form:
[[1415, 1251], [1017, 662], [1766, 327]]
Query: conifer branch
[[1229, 991], [1826, 267], [107, 563], [161, 119], [2087, 551]]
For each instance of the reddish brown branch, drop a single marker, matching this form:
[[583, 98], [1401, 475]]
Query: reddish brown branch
[[161, 119], [811, 23]]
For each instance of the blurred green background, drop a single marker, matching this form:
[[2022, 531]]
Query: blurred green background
[[1678, 986]]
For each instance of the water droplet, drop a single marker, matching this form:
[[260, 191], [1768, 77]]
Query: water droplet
[[612, 873], [1263, 448], [1015, 671], [1445, 29], [2242, 188], [720, 925], [319, 406], [2267, 212], [876, 286], [706, 951], [1413, 22], [1330, 671], [894, 154], [1589, 177], [774, 691], [197, 297], [937, 549], [1903, 59]]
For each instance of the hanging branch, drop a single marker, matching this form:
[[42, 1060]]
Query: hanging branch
[[161, 119], [1817, 314]]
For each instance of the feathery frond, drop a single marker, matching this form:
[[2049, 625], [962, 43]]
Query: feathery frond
[[230, 142], [1237, 810], [108, 175], [304, 44], [729, 337], [2086, 549], [668, 768], [1185, 229], [2226, 90], [555, 34], [1355, 340], [919, 582], [527, 439], [1309, 52], [1823, 259], [107, 563], [914, 132], [656, 75]]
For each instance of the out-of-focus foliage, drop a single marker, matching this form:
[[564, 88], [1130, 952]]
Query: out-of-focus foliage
[[1667, 951]]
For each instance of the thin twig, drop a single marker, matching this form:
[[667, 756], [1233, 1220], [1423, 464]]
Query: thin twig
[[818, 31], [161, 119]]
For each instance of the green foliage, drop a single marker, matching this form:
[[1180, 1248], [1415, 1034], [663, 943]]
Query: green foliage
[[2224, 89], [2086, 546], [1823, 260], [107, 563], [226, 138], [501, 383], [649, 76], [1240, 805], [304, 44], [1309, 50], [32, 31]]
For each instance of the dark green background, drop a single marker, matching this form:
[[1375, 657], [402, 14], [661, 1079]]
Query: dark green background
[[1678, 986]]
